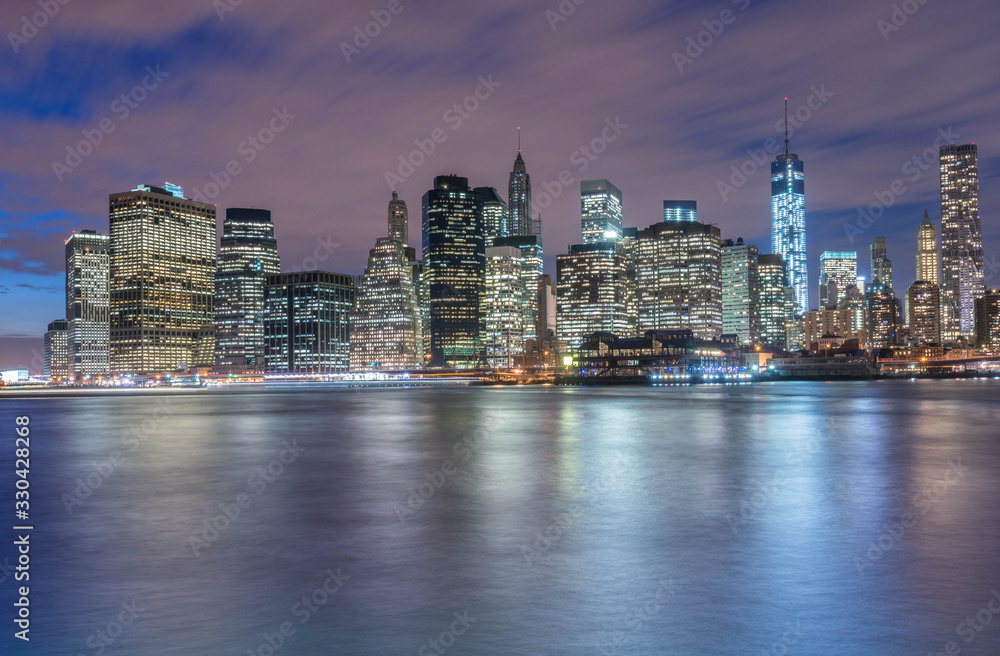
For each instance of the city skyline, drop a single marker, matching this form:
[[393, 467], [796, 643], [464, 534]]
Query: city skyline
[[841, 175]]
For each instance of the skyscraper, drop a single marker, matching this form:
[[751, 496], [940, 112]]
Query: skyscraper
[[163, 263], [741, 291], [838, 270], [590, 292], [988, 320], [454, 250], [530, 259], [399, 225], [881, 264], [87, 305], [928, 258], [386, 326], [777, 305], [923, 307], [601, 211], [306, 323], [496, 215], [519, 196], [680, 210], [678, 270], [881, 316], [788, 220], [248, 255], [961, 232], [503, 307], [55, 352]]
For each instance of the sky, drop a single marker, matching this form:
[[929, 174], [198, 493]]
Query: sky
[[293, 107]]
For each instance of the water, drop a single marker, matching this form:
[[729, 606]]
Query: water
[[799, 518]]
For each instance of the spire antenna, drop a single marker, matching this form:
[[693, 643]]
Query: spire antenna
[[786, 127], [519, 138]]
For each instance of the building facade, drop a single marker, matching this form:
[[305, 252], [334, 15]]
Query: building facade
[[306, 323], [247, 257], [503, 307], [923, 308], [988, 320], [386, 326], [680, 210], [678, 278], [928, 257], [399, 220], [881, 317], [519, 200], [777, 301], [961, 233], [601, 211], [88, 305], [162, 281], [838, 270], [881, 264], [741, 291], [590, 292], [454, 248], [55, 351], [816, 324], [788, 223], [496, 215]]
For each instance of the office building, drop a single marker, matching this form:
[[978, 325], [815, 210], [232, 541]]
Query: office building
[[817, 324], [838, 270], [247, 256], [881, 264], [923, 308], [503, 307], [881, 316], [88, 305], [928, 257], [601, 211], [530, 259], [454, 249], [399, 222], [162, 282], [386, 324], [590, 292], [496, 215], [680, 210], [777, 301], [741, 291], [961, 233], [853, 299], [678, 278], [306, 321], [788, 221], [55, 351], [988, 320], [546, 308]]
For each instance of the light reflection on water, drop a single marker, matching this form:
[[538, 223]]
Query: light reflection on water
[[559, 517]]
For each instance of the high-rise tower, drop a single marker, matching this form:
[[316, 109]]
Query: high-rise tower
[[928, 260], [788, 219], [248, 255], [519, 197], [961, 232], [87, 301], [601, 211], [398, 220], [881, 264]]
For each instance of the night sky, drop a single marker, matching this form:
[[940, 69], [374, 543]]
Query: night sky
[[226, 69]]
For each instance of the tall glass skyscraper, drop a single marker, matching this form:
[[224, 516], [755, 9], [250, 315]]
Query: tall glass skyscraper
[[788, 222], [838, 270], [454, 249], [87, 305], [248, 255], [55, 351], [777, 304], [306, 323], [590, 292], [881, 264], [961, 232], [601, 211], [740, 291], [163, 265], [503, 311], [496, 215], [519, 197]]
